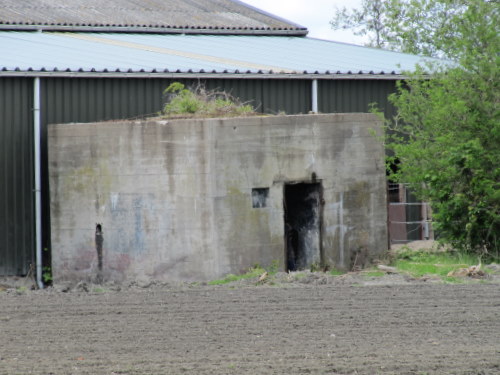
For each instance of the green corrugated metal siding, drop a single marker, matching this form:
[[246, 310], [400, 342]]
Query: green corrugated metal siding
[[337, 96], [16, 176], [93, 99], [269, 96]]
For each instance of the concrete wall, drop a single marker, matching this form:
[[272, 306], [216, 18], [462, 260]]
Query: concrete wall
[[174, 198]]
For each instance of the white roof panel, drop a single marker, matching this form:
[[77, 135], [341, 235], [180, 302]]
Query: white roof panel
[[90, 52]]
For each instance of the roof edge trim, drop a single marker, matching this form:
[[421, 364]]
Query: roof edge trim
[[313, 76], [158, 30]]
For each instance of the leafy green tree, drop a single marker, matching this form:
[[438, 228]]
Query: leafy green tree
[[369, 20], [446, 135], [422, 27]]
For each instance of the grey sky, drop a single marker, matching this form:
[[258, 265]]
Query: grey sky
[[313, 14]]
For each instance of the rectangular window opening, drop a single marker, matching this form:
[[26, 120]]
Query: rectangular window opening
[[259, 197]]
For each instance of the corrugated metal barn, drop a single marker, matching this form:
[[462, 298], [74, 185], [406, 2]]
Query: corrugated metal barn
[[70, 62]]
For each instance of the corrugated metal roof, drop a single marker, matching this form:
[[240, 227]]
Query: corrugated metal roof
[[152, 53], [165, 16]]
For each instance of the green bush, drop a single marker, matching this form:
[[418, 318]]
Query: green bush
[[199, 102]]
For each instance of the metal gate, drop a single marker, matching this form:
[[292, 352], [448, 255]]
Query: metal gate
[[409, 219]]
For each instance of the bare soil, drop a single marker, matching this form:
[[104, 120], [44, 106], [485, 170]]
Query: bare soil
[[297, 324]]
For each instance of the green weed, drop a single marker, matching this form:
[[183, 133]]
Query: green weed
[[299, 275], [315, 267], [47, 274], [274, 267], [255, 271], [21, 290], [336, 272], [374, 273], [452, 280]]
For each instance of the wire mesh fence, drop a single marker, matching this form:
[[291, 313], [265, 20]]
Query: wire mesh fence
[[409, 219]]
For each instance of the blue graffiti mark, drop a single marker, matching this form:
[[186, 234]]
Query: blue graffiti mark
[[114, 198], [138, 232]]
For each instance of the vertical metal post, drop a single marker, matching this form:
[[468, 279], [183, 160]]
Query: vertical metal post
[[314, 104], [425, 219], [38, 184]]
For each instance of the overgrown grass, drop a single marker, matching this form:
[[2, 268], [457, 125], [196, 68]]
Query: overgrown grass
[[253, 272], [416, 263], [422, 262]]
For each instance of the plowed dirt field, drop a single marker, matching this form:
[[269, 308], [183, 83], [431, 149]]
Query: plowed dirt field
[[335, 328]]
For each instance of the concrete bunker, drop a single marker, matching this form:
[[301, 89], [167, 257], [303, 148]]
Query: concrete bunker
[[197, 199]]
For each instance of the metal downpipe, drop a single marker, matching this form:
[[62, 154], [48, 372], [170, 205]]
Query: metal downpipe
[[38, 187], [314, 96]]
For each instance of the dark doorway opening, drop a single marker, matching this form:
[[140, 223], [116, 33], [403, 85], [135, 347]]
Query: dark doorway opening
[[302, 225]]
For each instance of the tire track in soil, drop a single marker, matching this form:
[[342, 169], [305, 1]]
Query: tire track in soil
[[330, 329]]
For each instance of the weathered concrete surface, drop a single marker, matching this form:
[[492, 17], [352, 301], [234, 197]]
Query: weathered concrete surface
[[174, 198]]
